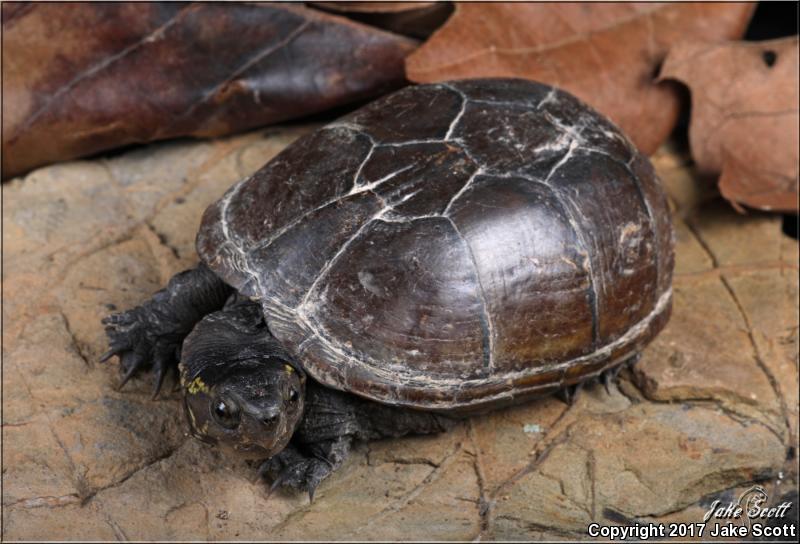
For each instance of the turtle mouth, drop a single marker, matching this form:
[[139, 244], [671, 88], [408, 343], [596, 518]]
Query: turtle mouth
[[255, 439], [250, 450], [248, 446]]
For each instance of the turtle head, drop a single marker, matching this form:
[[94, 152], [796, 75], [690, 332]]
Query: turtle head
[[252, 410], [242, 391]]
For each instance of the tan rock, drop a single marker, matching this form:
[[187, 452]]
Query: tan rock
[[757, 239], [506, 440], [705, 353], [72, 521], [201, 495], [36, 469], [709, 407], [766, 300], [621, 464], [690, 256]]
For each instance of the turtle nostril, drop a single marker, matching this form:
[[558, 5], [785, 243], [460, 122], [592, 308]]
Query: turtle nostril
[[270, 419]]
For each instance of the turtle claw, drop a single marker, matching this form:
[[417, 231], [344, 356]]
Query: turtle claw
[[276, 484], [263, 469], [291, 469], [131, 363], [110, 353], [569, 394], [609, 376], [140, 343], [158, 380], [162, 365], [605, 380]]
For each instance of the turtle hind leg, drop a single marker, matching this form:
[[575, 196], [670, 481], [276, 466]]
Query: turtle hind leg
[[150, 336], [611, 375], [569, 394]]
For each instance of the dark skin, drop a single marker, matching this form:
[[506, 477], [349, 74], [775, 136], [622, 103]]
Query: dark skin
[[242, 390]]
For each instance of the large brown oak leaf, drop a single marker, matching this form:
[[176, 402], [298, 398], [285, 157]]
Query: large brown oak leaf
[[744, 123], [606, 54], [79, 78]]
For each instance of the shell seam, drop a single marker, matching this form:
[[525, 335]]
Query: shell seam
[[593, 280], [325, 269], [488, 329], [449, 134]]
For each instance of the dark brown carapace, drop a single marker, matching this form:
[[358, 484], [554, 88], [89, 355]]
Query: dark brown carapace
[[455, 246]]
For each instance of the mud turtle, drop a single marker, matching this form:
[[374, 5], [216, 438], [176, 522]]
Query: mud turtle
[[445, 250]]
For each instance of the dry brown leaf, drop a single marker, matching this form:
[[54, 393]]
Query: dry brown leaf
[[85, 77], [417, 19], [744, 122], [606, 54], [373, 7]]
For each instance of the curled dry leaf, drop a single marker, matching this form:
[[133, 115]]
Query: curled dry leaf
[[417, 19], [86, 77], [606, 54], [744, 123]]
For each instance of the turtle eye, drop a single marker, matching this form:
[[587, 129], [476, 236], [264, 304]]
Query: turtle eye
[[293, 395], [225, 412]]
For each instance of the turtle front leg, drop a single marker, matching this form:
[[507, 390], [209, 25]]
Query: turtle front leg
[[304, 468], [332, 422], [150, 335]]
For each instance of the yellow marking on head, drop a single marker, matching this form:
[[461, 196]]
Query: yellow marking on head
[[288, 369], [181, 371], [197, 385]]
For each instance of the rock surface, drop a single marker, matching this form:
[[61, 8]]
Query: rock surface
[[711, 407]]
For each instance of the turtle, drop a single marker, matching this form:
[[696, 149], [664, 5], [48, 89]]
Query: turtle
[[443, 251]]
